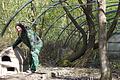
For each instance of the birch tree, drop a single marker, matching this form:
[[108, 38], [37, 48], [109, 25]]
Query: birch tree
[[105, 68]]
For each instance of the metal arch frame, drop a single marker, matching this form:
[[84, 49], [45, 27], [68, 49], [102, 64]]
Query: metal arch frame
[[71, 22], [13, 16], [34, 22], [82, 24], [16, 12], [57, 20]]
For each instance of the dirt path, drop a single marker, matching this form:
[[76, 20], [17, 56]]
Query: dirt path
[[59, 73]]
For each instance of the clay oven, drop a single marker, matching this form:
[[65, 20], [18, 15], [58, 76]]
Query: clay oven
[[11, 61]]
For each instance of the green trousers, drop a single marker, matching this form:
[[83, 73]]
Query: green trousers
[[35, 57]]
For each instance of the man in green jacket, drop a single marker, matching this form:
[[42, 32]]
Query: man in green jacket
[[32, 41]]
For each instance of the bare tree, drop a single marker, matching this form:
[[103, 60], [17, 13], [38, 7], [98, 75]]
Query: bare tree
[[105, 68]]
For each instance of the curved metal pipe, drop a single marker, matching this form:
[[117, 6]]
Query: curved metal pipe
[[13, 16]]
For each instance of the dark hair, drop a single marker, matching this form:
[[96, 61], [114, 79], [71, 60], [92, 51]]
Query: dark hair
[[20, 25]]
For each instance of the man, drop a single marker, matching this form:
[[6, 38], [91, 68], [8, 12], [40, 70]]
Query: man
[[32, 41]]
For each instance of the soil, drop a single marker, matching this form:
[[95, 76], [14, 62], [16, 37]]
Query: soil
[[61, 73]]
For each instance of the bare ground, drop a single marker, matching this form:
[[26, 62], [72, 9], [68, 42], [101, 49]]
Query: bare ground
[[61, 73]]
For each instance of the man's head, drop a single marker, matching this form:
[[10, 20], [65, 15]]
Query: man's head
[[19, 27]]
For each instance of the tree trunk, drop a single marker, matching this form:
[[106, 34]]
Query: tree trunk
[[105, 68], [113, 26], [91, 41], [82, 51]]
